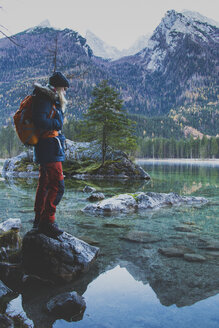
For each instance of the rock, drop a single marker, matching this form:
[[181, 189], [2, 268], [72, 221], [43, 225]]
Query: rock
[[183, 229], [212, 245], [89, 241], [83, 160], [96, 196], [3, 254], [189, 223], [33, 280], [89, 189], [141, 201], [213, 254], [69, 306], [194, 258], [6, 322], [10, 224], [12, 275], [121, 203], [4, 290], [173, 251], [90, 151], [87, 226], [141, 237], [57, 260], [10, 241], [114, 225]]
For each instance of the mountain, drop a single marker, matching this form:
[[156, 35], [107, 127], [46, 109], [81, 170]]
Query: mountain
[[175, 75], [102, 49], [138, 45], [33, 61], [178, 67]]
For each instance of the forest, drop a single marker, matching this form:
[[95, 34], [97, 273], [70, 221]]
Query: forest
[[147, 147]]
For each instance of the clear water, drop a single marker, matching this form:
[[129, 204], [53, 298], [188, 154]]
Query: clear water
[[132, 284]]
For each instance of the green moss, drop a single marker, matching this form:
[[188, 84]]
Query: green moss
[[90, 168], [10, 238], [134, 196], [23, 166], [72, 167]]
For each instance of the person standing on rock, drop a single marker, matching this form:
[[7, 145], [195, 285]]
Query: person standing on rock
[[48, 108]]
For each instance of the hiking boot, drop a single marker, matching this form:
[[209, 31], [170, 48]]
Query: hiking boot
[[50, 229], [36, 223]]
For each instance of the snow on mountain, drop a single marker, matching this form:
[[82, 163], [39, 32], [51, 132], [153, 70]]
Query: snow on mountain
[[102, 49], [195, 16], [44, 23], [138, 45], [173, 27]]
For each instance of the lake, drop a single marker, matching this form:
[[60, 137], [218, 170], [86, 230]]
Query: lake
[[132, 284]]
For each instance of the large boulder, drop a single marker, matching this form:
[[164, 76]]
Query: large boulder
[[141, 201], [57, 260], [83, 160]]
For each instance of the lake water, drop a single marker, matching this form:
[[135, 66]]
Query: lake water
[[132, 284]]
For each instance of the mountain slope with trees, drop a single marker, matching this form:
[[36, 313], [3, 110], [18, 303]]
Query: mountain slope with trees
[[172, 84]]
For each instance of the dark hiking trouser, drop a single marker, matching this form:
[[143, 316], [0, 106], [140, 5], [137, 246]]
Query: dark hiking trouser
[[49, 191]]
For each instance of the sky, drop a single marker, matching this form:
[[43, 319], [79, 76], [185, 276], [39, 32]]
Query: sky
[[117, 22]]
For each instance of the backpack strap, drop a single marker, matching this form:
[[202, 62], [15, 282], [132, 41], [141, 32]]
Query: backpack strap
[[52, 133]]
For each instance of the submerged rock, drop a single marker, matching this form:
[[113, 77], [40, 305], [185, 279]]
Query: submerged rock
[[69, 306], [57, 260], [140, 201], [183, 229], [212, 245], [96, 196], [194, 258], [89, 189], [141, 237], [173, 251]]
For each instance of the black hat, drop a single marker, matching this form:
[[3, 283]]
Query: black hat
[[58, 80]]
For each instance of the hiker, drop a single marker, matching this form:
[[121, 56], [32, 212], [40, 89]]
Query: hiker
[[48, 108]]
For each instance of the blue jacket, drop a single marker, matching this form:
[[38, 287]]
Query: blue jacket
[[49, 149]]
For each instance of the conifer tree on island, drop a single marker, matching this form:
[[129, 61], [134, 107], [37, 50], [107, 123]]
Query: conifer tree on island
[[106, 121]]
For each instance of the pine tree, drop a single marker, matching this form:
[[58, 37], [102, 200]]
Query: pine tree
[[107, 122]]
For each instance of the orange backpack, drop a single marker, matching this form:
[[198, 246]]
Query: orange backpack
[[24, 126]]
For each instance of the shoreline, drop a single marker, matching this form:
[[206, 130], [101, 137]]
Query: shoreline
[[197, 161]]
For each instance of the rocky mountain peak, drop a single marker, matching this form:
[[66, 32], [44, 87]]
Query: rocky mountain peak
[[44, 23], [170, 33], [186, 22]]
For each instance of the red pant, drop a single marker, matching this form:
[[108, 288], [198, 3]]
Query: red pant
[[50, 190]]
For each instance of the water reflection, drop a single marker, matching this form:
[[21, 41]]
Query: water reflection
[[116, 299], [132, 284]]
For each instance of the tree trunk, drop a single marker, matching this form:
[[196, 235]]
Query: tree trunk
[[104, 145]]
